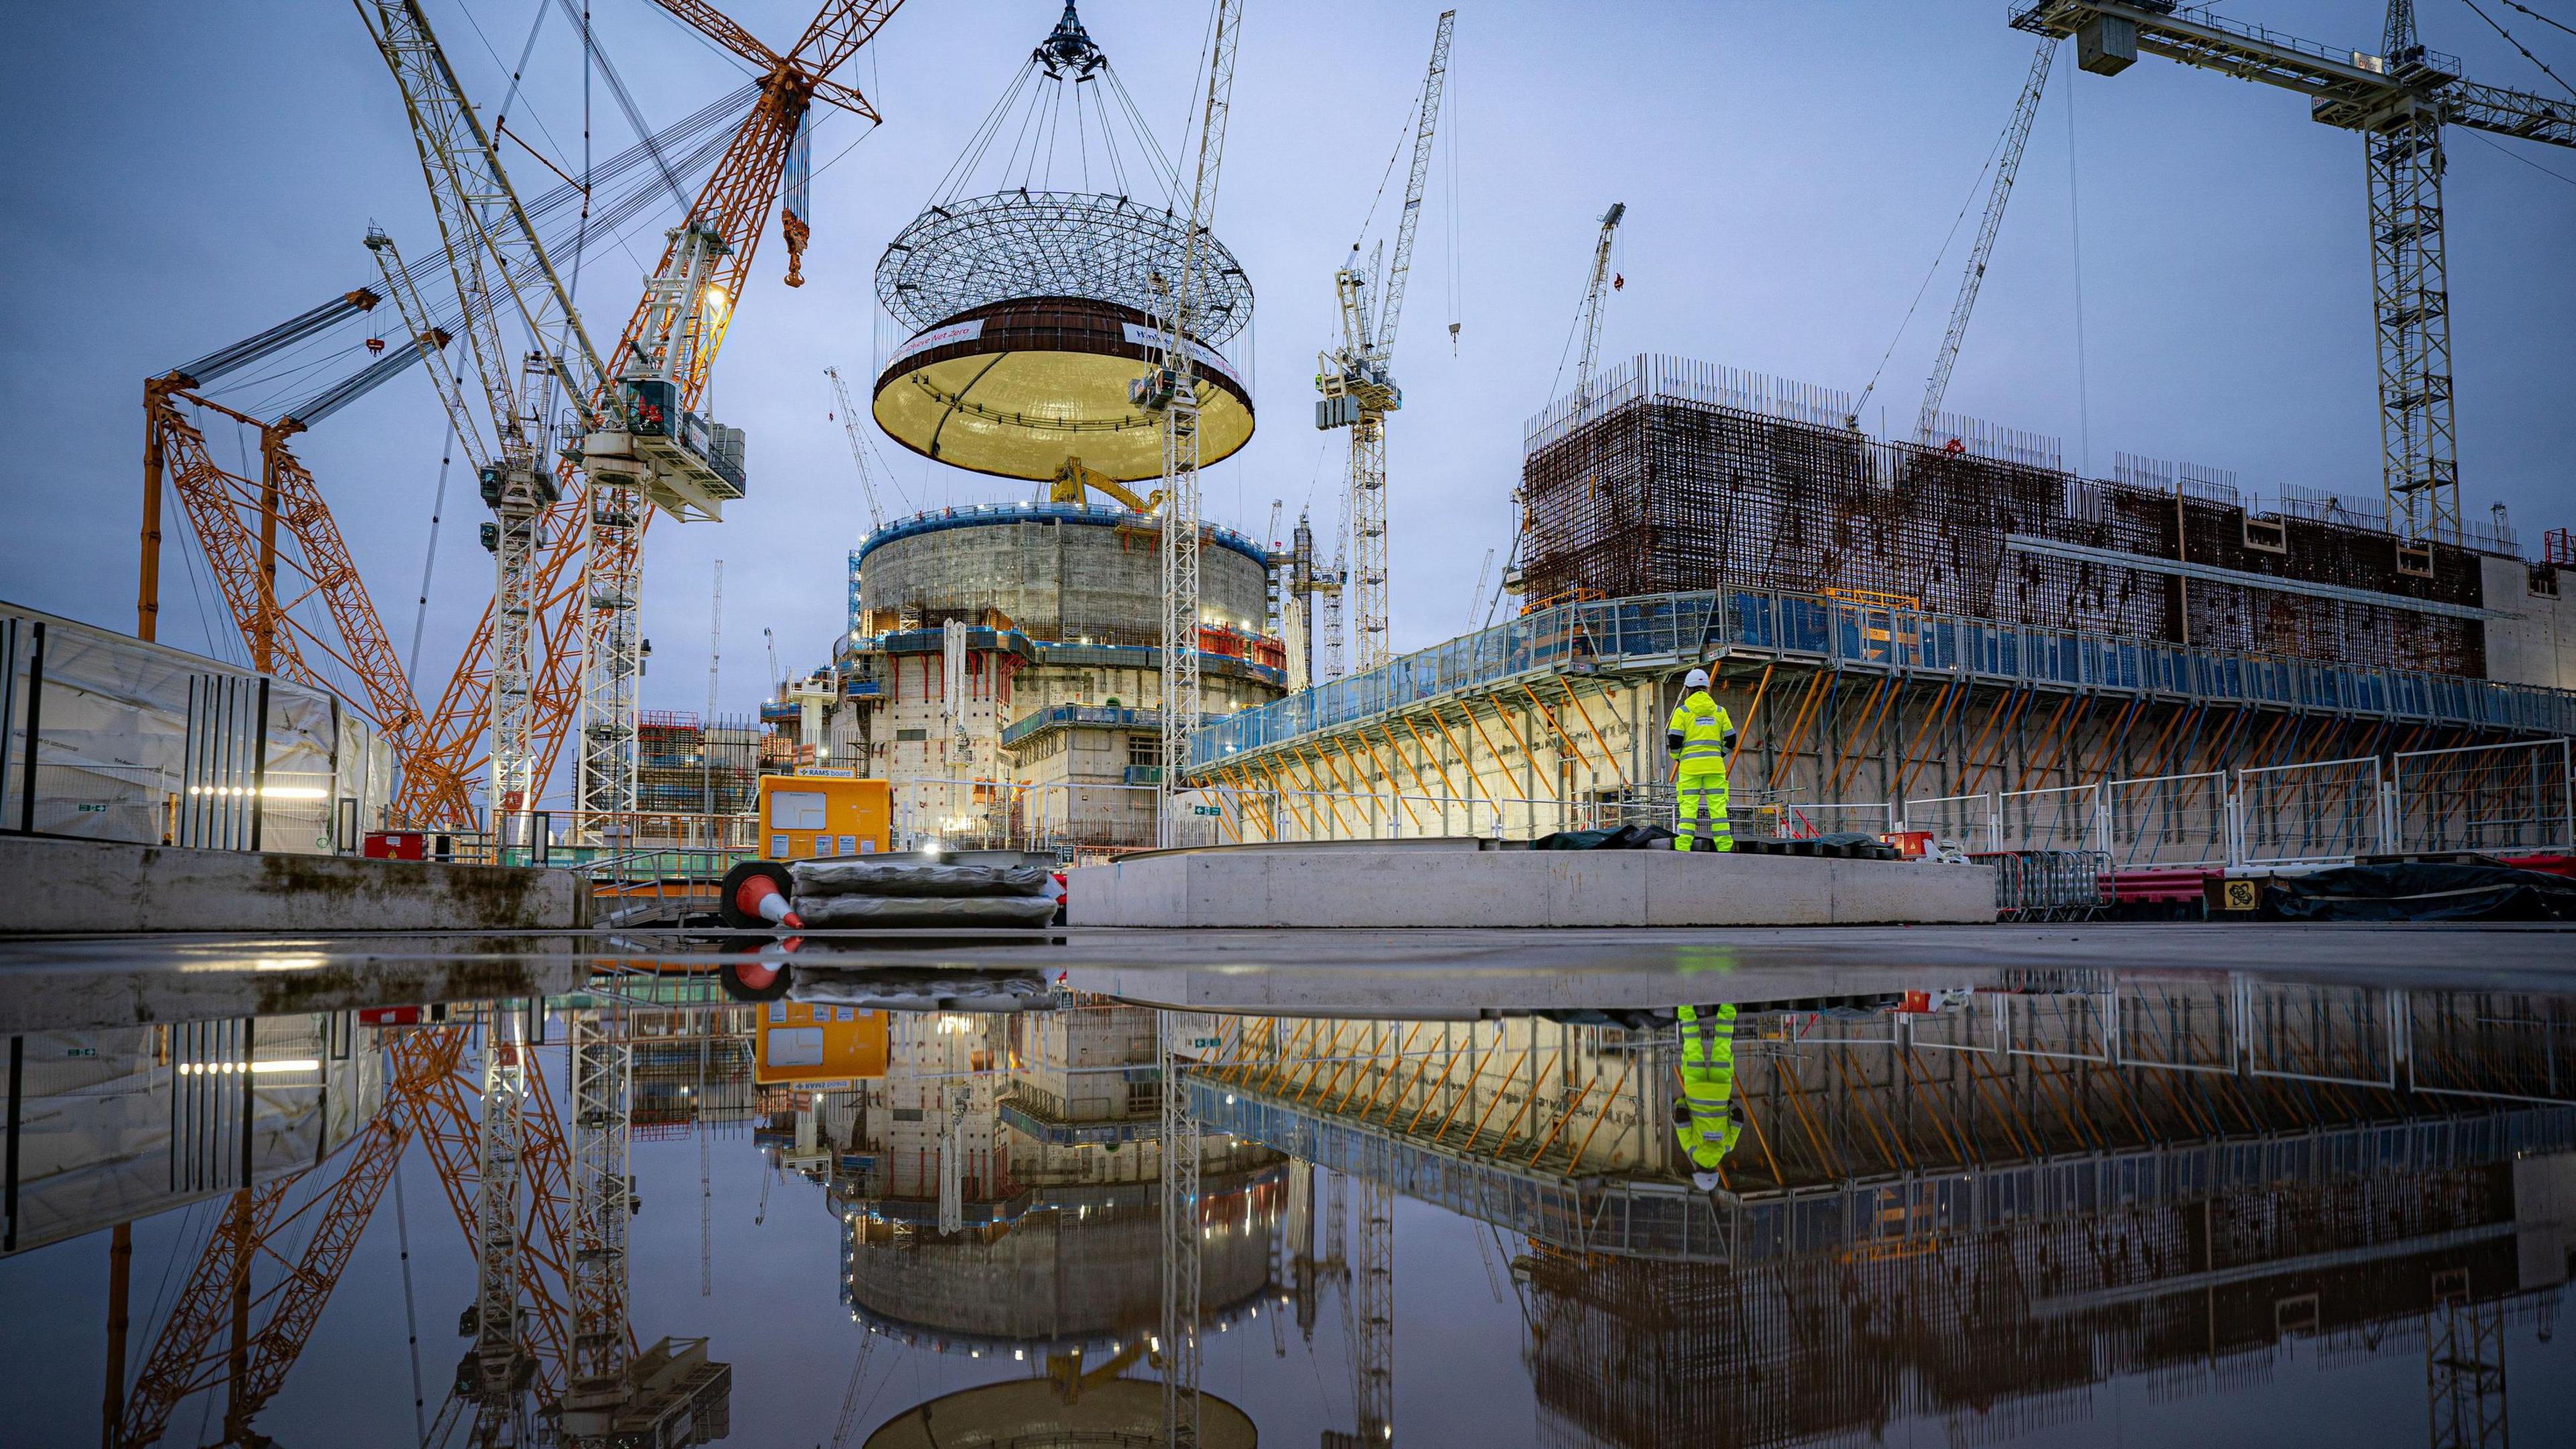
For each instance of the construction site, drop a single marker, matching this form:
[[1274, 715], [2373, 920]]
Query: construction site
[[1871, 932]]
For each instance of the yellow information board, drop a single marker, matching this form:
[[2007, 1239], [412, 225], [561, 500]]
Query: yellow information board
[[810, 1045], [806, 816]]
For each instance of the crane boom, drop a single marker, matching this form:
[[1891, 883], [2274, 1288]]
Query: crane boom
[[1399, 267], [2007, 166], [858, 448], [1593, 289], [2398, 100]]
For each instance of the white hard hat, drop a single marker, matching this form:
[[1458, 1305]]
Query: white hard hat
[[1696, 679]]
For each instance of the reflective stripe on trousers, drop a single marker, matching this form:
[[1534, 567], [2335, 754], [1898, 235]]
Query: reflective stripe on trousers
[[1702, 1118], [1703, 794]]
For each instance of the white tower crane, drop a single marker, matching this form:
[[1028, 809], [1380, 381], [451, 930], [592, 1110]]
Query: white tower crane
[[2007, 166], [858, 447], [1170, 385], [1357, 381], [1594, 291]]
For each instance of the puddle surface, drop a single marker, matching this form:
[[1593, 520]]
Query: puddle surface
[[862, 1205]]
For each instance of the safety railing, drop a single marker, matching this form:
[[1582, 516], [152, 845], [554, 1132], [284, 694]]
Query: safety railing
[[1654, 631], [2513, 798]]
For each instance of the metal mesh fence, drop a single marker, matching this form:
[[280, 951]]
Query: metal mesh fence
[[2483, 798], [2293, 814], [2168, 820]]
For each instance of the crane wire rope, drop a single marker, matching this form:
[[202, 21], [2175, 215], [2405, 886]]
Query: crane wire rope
[[2536, 15], [2518, 45], [411, 1309], [2075, 243], [1976, 188]]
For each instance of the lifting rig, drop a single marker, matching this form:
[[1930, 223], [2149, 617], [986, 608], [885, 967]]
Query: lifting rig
[[1170, 386], [2398, 100], [582, 647], [1358, 382]]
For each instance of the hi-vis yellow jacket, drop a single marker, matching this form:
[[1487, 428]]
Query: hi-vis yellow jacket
[[1701, 725]]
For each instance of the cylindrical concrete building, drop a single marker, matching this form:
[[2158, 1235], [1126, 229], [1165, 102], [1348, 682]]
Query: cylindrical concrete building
[[1062, 572]]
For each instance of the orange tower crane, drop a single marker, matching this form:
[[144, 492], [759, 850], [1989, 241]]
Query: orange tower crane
[[714, 245]]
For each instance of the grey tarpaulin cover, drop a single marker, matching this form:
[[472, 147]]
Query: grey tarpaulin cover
[[2423, 891], [1626, 837], [825, 912], [911, 878]]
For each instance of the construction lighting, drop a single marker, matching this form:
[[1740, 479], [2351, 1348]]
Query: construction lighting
[[289, 1064], [265, 792]]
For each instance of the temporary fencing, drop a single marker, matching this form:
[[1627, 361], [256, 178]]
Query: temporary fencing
[[1969, 822], [2483, 798], [2168, 820], [2065, 817], [2300, 814]]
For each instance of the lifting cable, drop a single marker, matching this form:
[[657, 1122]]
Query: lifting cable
[[1976, 188], [2518, 45]]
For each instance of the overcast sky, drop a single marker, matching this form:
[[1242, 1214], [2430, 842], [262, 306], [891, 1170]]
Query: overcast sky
[[183, 176]]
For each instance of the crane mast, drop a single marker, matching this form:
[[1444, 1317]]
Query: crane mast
[[2007, 166], [1171, 387], [1358, 384], [2398, 101], [686, 468]]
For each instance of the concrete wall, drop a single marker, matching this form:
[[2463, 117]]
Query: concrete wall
[[1424, 885], [2538, 645], [1058, 578], [84, 886]]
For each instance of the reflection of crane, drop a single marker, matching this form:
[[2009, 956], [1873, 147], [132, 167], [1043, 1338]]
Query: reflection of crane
[[2398, 100], [2007, 166], [858, 448], [183, 1359], [1356, 378], [1170, 386], [711, 252]]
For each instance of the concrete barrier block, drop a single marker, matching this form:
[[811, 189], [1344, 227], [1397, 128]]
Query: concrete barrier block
[[94, 886], [1364, 887]]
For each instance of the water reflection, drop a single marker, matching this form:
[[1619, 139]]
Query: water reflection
[[1979, 1210]]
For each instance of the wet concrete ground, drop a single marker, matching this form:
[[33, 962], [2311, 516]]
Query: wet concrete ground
[[2043, 1185]]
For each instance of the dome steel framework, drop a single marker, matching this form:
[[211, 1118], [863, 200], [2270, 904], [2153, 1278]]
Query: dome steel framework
[[962, 254], [1036, 283]]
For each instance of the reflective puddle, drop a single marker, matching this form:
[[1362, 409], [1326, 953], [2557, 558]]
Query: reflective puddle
[[812, 1199]]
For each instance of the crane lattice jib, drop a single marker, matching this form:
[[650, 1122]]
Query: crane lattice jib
[[217, 501], [1400, 265], [735, 204], [2007, 166], [442, 375], [183, 1358], [2399, 101], [1588, 357]]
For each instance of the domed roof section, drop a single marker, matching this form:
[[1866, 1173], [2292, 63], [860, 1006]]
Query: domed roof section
[[1063, 192], [971, 252]]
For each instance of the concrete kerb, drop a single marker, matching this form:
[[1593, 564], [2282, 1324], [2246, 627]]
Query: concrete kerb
[[103, 886]]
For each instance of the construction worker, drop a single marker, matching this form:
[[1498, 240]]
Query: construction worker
[[1699, 736], [1704, 1115]]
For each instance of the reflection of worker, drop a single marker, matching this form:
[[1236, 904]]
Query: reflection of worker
[[1699, 735], [1705, 1115]]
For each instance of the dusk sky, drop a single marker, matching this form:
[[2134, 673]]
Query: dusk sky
[[188, 175]]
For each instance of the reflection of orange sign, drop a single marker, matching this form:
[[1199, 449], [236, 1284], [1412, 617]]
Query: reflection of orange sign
[[810, 1045]]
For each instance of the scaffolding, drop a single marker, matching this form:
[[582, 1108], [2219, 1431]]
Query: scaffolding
[[1678, 476], [690, 766]]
